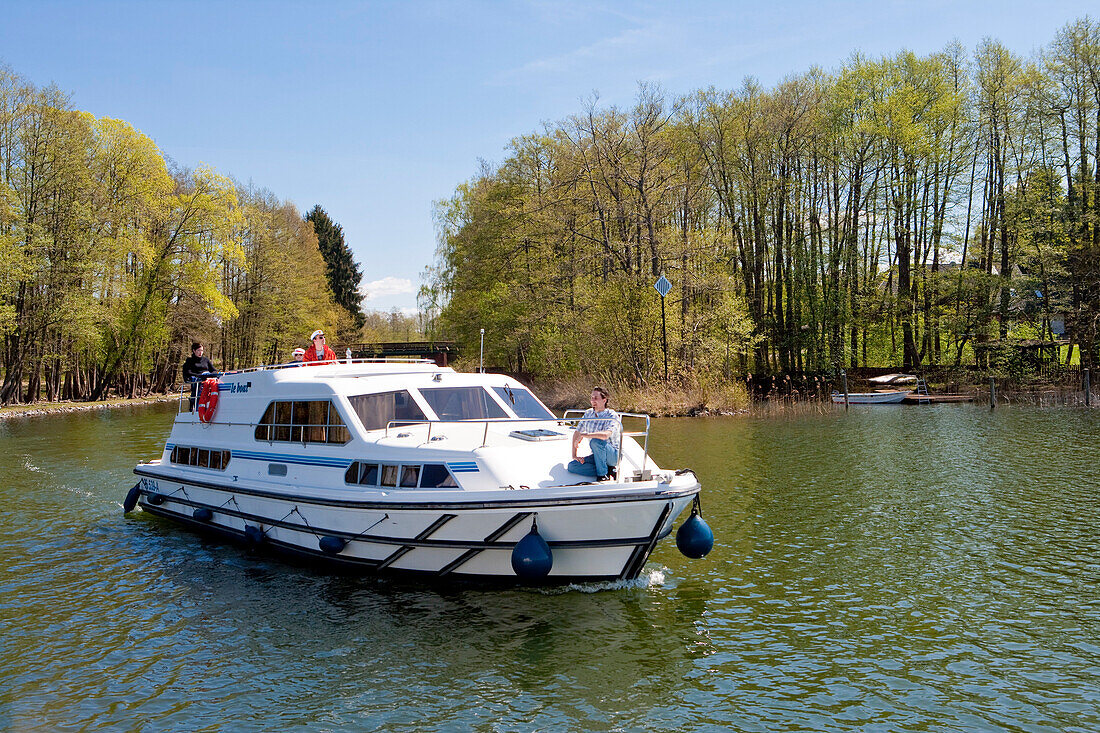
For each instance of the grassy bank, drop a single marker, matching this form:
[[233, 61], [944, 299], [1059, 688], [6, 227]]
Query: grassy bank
[[732, 398], [659, 400], [684, 399]]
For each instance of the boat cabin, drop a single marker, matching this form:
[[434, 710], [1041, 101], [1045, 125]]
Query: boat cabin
[[381, 427]]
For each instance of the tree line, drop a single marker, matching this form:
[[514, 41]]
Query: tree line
[[907, 210], [113, 260]]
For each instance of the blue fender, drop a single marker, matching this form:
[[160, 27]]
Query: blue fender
[[131, 499], [332, 545], [694, 538], [203, 514], [253, 535], [531, 557]]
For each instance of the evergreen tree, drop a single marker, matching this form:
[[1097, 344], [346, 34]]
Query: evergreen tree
[[341, 268]]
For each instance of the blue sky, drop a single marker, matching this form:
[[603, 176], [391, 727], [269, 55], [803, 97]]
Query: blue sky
[[376, 109]]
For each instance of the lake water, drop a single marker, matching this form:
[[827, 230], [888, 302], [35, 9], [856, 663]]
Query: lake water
[[892, 568]]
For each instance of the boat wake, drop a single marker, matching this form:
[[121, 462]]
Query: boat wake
[[648, 579]]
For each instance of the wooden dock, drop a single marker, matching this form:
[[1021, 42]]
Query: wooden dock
[[923, 399]]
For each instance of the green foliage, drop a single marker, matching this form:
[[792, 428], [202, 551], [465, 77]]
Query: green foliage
[[901, 211], [341, 269], [110, 263]]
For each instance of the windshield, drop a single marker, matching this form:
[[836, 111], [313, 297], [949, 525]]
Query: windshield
[[461, 403], [522, 402]]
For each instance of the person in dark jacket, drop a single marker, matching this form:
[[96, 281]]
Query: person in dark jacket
[[196, 364], [193, 368]]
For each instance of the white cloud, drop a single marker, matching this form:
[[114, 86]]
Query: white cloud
[[388, 285]]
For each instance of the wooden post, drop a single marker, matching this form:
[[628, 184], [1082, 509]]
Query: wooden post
[[844, 376], [1088, 390], [992, 394]]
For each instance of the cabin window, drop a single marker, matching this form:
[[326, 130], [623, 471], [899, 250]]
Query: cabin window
[[407, 476], [462, 403], [375, 411], [523, 403], [436, 476], [201, 457], [282, 420], [410, 475], [362, 473], [302, 421]]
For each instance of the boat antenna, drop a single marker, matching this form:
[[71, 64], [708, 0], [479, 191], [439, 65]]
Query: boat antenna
[[481, 361]]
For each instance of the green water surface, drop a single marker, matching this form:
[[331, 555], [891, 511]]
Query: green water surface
[[892, 568]]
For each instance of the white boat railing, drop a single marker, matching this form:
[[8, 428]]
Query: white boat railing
[[186, 393], [565, 419], [294, 364], [486, 422]]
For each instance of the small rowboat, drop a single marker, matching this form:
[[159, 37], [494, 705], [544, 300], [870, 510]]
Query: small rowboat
[[872, 398]]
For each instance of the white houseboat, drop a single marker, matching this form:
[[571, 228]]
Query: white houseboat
[[405, 466]]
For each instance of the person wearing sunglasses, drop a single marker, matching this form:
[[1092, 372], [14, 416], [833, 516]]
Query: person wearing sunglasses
[[318, 352]]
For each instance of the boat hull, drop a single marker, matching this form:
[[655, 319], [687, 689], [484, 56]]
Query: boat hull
[[871, 398], [593, 535]]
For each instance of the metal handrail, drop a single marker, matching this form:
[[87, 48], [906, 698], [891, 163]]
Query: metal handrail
[[368, 360], [293, 364], [185, 388], [563, 419], [487, 422]]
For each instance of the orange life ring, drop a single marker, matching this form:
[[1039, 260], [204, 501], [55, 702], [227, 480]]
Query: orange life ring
[[208, 399]]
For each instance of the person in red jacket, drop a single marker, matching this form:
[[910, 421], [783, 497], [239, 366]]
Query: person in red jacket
[[319, 352]]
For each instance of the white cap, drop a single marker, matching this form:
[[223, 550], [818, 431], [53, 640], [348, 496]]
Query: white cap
[[299, 352], [316, 333]]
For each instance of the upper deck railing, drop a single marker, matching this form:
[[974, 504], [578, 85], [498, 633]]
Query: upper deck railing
[[294, 364], [189, 391]]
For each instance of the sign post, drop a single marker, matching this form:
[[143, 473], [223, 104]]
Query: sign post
[[663, 286]]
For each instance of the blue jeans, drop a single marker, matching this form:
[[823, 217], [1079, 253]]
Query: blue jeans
[[603, 455]]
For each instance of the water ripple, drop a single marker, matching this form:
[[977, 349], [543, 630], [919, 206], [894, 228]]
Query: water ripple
[[897, 569]]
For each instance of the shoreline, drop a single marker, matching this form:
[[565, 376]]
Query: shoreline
[[636, 399], [64, 407]]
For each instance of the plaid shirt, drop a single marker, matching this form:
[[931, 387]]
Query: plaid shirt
[[598, 422]]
